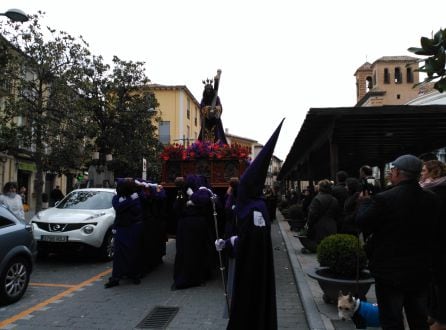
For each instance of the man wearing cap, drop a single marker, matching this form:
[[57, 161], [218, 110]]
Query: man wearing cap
[[402, 222]]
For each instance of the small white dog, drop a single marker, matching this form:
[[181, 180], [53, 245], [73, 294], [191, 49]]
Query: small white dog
[[362, 313]]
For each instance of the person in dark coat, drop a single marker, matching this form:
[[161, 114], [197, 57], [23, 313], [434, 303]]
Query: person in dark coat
[[368, 181], [154, 225], [402, 222], [271, 202], [193, 238], [56, 195], [230, 216], [322, 213], [340, 192], [435, 180], [253, 304], [348, 223], [128, 229]]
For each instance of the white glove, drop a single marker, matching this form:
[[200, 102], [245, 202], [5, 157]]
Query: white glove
[[233, 238], [189, 191], [220, 244], [114, 231]]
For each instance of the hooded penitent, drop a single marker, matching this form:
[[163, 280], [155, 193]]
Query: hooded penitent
[[253, 304], [253, 179], [193, 241]]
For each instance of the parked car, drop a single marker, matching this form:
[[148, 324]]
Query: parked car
[[84, 218], [17, 255]]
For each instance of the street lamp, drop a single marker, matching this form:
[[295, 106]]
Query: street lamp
[[15, 15]]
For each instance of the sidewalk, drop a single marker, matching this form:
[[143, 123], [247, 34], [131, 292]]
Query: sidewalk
[[319, 314]]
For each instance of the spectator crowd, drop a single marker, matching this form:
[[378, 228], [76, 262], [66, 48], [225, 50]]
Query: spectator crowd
[[401, 224]]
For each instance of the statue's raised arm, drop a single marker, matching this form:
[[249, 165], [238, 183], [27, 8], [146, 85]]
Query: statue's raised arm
[[211, 110]]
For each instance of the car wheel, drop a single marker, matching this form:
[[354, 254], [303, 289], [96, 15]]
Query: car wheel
[[14, 280], [107, 250]]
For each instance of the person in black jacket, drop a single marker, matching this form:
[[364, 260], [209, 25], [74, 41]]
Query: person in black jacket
[[402, 222], [323, 213], [56, 195], [340, 192], [435, 180]]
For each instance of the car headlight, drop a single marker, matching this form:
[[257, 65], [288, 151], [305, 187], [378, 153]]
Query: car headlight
[[88, 229]]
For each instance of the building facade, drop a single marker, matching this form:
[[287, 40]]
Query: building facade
[[17, 164], [179, 111], [389, 80], [242, 141]]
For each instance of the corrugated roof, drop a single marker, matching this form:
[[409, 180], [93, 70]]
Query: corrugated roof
[[362, 135]]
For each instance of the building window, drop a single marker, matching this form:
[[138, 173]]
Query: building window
[[398, 96], [386, 76], [188, 134], [409, 74], [196, 117], [398, 76], [164, 131], [188, 108], [374, 78], [369, 84]]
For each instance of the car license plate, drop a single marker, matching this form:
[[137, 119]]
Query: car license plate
[[51, 238]]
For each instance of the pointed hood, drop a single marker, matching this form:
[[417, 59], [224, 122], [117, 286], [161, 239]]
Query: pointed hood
[[253, 179]]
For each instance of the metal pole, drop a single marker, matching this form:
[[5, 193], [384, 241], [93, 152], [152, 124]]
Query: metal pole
[[222, 268]]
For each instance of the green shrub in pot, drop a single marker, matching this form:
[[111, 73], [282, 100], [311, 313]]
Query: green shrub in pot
[[341, 254]]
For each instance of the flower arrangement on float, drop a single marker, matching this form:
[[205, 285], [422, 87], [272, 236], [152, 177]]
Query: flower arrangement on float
[[204, 150]]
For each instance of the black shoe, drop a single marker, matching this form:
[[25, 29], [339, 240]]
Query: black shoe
[[173, 287], [111, 283]]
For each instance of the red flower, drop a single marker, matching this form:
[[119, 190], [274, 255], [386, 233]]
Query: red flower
[[203, 150]]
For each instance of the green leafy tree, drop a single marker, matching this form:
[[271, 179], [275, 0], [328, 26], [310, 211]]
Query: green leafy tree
[[7, 125], [434, 63], [42, 109], [118, 102]]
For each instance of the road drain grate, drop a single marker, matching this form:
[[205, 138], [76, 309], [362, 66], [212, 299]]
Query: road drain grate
[[158, 318]]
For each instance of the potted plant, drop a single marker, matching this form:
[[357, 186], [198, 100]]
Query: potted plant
[[295, 217], [343, 262]]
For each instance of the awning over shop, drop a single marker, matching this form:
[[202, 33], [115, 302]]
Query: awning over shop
[[332, 139]]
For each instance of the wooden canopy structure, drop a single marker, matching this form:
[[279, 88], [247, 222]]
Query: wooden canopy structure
[[333, 139]]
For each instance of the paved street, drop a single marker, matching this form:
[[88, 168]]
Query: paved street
[[68, 293], [319, 314]]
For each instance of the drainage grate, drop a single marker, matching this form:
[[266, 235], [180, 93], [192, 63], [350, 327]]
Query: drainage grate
[[158, 318]]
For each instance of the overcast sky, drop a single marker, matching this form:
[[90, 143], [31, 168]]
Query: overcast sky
[[278, 58]]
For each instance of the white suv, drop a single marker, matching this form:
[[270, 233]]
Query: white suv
[[83, 218]]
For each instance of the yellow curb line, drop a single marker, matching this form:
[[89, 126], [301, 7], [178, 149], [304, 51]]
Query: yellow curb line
[[52, 285], [52, 299]]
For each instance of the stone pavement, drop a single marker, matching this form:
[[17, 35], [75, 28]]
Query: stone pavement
[[125, 306], [299, 298], [319, 314]]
